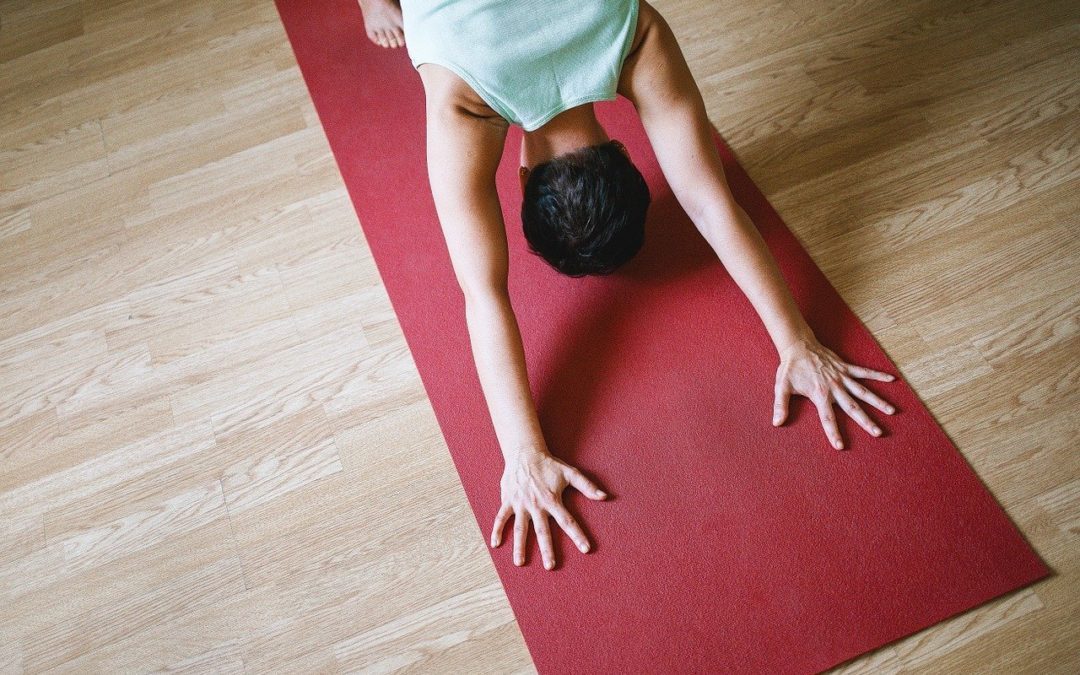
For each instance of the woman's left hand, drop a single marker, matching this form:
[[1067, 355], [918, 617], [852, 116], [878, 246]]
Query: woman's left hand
[[809, 368]]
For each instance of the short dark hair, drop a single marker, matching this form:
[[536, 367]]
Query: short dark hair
[[584, 211]]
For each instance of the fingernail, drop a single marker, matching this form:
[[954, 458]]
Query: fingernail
[[584, 548], [548, 564], [890, 410], [839, 445], [877, 432], [601, 493]]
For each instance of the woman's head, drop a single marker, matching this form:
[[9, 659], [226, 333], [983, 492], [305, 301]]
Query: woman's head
[[584, 211]]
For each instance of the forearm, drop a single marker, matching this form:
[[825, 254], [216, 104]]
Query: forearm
[[739, 245], [500, 364]]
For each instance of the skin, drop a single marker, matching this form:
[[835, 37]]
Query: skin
[[465, 139], [382, 21]]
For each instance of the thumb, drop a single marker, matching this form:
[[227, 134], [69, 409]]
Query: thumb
[[583, 484], [780, 405]]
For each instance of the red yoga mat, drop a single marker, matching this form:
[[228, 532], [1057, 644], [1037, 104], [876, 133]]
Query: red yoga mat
[[727, 545]]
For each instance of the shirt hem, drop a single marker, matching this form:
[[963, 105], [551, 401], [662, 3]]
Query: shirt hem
[[566, 105]]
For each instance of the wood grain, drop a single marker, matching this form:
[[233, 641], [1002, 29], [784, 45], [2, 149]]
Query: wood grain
[[216, 454]]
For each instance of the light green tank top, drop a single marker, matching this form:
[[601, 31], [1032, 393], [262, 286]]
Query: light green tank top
[[528, 59]]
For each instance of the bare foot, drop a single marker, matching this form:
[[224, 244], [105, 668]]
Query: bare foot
[[382, 19]]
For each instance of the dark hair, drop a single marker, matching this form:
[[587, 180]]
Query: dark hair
[[584, 211]]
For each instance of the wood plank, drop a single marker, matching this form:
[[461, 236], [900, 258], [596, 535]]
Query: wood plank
[[216, 454]]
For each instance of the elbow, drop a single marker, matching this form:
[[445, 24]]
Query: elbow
[[486, 309], [483, 293]]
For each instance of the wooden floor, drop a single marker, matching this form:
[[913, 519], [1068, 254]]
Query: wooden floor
[[216, 453]]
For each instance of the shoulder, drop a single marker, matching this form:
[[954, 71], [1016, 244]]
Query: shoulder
[[647, 15], [651, 57], [446, 90]]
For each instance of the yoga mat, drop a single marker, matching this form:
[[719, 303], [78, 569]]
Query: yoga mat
[[727, 545]]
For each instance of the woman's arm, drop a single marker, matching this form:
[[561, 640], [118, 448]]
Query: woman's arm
[[662, 88], [658, 81], [463, 153]]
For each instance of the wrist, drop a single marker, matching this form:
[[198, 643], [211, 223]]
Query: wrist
[[524, 452], [800, 338]]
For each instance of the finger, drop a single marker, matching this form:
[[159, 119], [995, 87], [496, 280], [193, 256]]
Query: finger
[[521, 533], [500, 522], [400, 38], [583, 484], [780, 405], [868, 396], [570, 526], [859, 371], [828, 420], [382, 39], [543, 537], [856, 413]]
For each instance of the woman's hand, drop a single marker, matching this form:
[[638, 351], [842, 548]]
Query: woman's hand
[[532, 486], [813, 370]]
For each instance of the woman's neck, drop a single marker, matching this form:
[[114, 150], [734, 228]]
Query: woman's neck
[[568, 131]]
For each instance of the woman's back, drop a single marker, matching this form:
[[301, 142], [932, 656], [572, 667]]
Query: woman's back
[[528, 60]]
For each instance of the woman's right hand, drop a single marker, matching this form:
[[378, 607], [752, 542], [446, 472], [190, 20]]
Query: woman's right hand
[[532, 486]]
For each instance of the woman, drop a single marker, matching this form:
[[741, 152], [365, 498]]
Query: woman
[[541, 64]]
